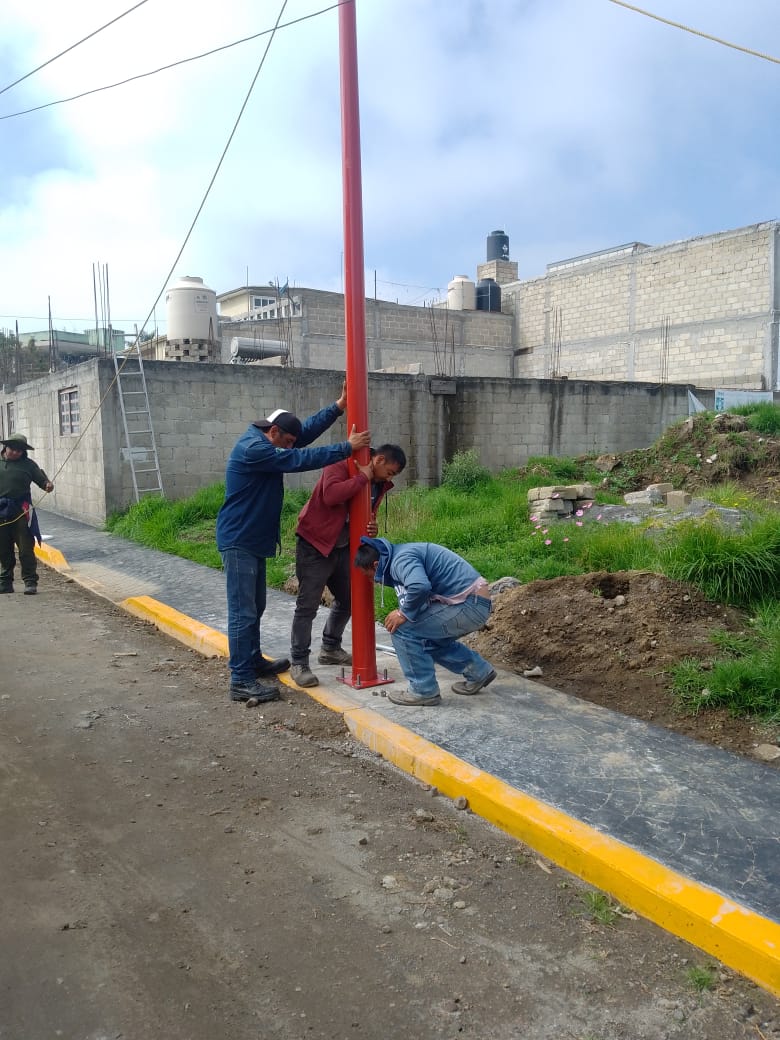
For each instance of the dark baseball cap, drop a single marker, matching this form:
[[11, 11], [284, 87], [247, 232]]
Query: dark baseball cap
[[284, 420]]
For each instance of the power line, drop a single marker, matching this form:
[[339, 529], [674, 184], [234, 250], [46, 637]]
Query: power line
[[697, 32], [73, 46], [173, 65]]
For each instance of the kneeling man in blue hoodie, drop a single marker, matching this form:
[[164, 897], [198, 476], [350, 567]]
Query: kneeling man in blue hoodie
[[440, 598]]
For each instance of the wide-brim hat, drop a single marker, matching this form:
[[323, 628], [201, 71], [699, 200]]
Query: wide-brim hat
[[284, 420], [17, 440]]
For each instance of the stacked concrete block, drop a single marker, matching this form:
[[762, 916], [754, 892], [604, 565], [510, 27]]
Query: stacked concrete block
[[559, 501]]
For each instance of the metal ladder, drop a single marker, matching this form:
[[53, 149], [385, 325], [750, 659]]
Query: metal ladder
[[137, 422]]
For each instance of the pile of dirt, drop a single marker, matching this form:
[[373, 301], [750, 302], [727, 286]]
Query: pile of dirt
[[611, 639], [699, 453]]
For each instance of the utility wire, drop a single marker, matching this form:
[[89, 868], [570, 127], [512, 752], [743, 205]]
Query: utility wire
[[173, 65], [73, 46], [139, 332], [697, 32]]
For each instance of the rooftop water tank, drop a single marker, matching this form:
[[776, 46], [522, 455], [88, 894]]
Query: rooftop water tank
[[497, 246], [461, 294], [488, 295], [242, 348], [191, 309]]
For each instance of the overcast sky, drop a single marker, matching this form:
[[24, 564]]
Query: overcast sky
[[573, 125]]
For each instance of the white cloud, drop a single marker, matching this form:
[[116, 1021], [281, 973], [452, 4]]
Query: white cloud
[[572, 126]]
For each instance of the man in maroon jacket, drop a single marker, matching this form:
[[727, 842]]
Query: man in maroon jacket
[[322, 553]]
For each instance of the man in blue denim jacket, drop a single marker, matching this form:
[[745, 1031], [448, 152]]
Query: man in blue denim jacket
[[440, 598], [249, 531]]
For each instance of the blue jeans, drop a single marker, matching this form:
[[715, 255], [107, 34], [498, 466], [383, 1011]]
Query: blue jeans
[[433, 640], [245, 583]]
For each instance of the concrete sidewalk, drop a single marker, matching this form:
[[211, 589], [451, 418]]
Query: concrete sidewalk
[[685, 834]]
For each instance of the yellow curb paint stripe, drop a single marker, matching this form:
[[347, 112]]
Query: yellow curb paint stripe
[[202, 638], [52, 557], [739, 937]]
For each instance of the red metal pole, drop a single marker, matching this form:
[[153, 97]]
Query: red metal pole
[[363, 638]]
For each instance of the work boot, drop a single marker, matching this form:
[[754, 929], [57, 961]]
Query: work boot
[[470, 688], [255, 692], [303, 676], [265, 667], [30, 588], [338, 655]]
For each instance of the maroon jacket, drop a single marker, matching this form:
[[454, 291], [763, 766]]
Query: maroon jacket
[[322, 519]]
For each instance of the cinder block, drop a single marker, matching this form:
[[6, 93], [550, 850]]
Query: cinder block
[[643, 498], [677, 499]]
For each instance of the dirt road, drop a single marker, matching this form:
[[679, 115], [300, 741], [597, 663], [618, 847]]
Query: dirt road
[[177, 867]]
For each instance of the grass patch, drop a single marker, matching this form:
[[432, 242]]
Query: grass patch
[[764, 417], [597, 906], [741, 568], [746, 680], [701, 977]]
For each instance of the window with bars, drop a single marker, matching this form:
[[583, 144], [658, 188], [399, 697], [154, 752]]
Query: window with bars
[[69, 411]]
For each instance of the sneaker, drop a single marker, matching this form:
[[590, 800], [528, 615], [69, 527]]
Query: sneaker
[[30, 589], [256, 692], [470, 688], [412, 699], [265, 667], [338, 655], [303, 676]]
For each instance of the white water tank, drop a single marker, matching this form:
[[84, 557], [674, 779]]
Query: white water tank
[[242, 348], [461, 294], [191, 309]]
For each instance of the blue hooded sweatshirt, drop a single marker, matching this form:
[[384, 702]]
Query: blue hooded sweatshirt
[[419, 570], [254, 483]]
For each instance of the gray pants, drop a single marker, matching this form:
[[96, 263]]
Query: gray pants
[[316, 572]]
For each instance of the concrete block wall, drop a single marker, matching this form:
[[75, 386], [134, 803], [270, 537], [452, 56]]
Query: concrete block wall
[[466, 342], [720, 294], [199, 411]]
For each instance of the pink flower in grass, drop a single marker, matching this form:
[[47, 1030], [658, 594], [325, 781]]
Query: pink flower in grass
[[599, 516], [565, 539], [578, 513], [548, 541], [555, 494], [578, 523], [533, 519], [586, 505]]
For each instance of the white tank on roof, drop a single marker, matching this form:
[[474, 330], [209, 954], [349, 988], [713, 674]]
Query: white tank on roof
[[191, 310], [461, 294]]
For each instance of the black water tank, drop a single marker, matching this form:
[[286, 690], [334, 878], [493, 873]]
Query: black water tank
[[497, 246], [488, 295]]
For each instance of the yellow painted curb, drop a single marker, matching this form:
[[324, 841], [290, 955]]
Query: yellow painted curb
[[737, 936], [52, 557], [205, 640]]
